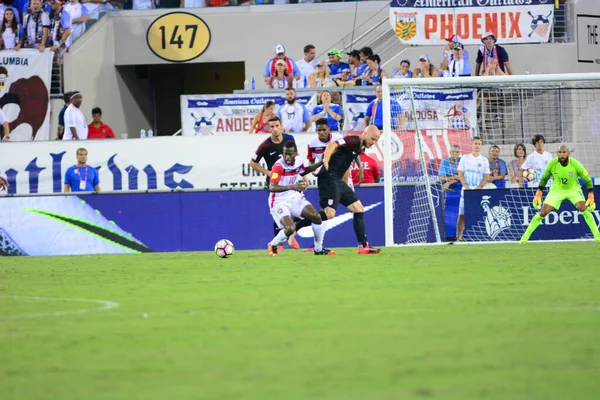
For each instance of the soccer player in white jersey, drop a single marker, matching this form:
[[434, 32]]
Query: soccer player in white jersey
[[286, 200], [538, 159], [473, 172]]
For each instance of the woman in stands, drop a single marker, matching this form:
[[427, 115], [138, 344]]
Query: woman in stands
[[374, 73], [426, 69], [10, 32], [260, 123], [320, 78], [326, 109], [514, 167], [281, 79], [404, 71]]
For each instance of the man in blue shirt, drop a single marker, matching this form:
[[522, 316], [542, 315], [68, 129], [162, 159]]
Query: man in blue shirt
[[452, 189], [81, 177], [498, 169], [335, 63], [374, 113]]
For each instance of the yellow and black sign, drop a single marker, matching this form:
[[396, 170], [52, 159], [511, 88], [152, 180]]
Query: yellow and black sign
[[178, 36]]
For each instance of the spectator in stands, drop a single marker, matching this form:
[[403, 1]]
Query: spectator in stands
[[538, 159], [35, 27], [11, 32], [294, 116], [60, 29], [61, 115], [354, 62], [192, 4], [321, 78], [447, 53], [457, 66], [404, 71], [326, 109], [76, 127], [374, 113], [374, 73], [308, 65], [290, 65], [81, 177], [4, 126], [281, 79], [449, 170], [260, 123], [492, 69], [98, 129], [514, 166], [25, 8], [364, 53], [425, 69], [10, 5], [79, 16], [490, 50], [335, 63], [498, 169], [370, 170]]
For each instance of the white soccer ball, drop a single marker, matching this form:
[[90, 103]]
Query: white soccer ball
[[529, 175], [224, 248]]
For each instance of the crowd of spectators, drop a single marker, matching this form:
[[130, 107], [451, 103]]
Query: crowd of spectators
[[72, 122]]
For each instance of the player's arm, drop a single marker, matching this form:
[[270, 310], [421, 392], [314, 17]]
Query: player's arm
[[582, 172], [254, 162], [257, 167], [331, 147], [275, 187], [361, 172], [313, 166]]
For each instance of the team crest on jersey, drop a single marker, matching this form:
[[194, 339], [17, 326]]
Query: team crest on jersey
[[571, 174], [497, 218], [406, 25], [274, 175]]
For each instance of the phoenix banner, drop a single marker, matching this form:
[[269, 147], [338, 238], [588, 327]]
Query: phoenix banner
[[432, 21]]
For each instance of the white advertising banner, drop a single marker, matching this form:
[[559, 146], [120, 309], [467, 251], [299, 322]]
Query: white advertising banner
[[219, 114], [427, 22], [25, 78], [452, 109]]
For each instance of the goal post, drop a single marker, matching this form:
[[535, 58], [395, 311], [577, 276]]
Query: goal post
[[440, 114]]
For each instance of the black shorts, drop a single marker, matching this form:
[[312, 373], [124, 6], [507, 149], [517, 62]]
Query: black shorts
[[334, 191]]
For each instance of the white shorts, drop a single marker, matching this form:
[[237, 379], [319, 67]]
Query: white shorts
[[292, 207], [461, 203]]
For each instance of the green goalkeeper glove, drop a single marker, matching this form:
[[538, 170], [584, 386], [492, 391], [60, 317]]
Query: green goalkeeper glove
[[590, 203], [537, 200]]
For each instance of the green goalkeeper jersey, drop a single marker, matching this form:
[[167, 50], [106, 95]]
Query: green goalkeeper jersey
[[566, 178]]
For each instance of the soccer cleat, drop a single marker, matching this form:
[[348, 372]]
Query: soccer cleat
[[309, 250], [525, 240], [325, 252], [368, 250], [293, 242], [272, 250], [597, 238]]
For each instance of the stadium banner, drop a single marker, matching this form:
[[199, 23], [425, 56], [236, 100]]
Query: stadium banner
[[445, 118], [163, 222], [504, 214], [427, 22], [228, 113], [25, 78]]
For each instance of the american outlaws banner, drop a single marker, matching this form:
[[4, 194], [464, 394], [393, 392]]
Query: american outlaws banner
[[24, 93], [218, 114], [444, 117], [432, 21]]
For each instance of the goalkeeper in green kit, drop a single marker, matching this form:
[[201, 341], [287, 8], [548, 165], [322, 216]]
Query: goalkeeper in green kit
[[566, 172]]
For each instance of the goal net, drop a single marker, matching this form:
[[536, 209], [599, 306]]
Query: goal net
[[438, 120]]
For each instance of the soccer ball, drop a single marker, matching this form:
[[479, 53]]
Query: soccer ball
[[529, 175], [224, 248]]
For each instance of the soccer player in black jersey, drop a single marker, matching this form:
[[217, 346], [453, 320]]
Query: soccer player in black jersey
[[270, 150], [334, 190]]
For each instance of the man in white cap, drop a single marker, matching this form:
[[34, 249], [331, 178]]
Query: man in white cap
[[291, 67], [447, 53], [491, 50]]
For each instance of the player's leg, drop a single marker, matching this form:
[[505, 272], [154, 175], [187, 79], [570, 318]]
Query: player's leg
[[353, 204], [311, 214], [460, 224], [283, 219], [552, 202], [578, 200]]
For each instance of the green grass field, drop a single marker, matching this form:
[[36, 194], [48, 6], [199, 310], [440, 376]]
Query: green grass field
[[448, 322]]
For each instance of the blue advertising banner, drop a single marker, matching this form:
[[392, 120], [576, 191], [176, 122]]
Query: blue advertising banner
[[504, 214]]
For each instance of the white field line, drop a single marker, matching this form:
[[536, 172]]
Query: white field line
[[104, 305]]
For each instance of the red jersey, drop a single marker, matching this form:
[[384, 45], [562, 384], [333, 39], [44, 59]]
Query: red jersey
[[284, 175], [102, 132], [370, 169]]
